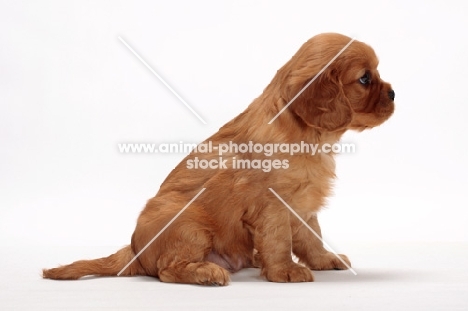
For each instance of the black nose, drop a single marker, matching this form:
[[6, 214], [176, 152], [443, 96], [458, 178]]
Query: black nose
[[391, 94]]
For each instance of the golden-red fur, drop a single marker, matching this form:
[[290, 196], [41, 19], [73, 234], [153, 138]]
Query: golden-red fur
[[237, 222]]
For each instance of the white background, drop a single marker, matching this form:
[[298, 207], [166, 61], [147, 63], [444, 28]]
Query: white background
[[70, 91]]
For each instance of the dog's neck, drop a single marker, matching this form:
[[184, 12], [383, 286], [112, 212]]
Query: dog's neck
[[286, 128]]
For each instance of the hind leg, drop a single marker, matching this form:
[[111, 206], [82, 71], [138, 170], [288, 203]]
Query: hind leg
[[185, 261], [178, 254], [204, 273]]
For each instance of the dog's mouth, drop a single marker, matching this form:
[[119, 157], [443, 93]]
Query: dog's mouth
[[375, 114], [386, 105], [385, 109], [367, 120]]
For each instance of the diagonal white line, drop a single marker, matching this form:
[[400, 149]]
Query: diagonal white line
[[159, 233], [162, 80], [313, 79], [312, 230]]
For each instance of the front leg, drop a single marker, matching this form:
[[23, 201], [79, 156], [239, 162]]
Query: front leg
[[310, 251], [272, 239]]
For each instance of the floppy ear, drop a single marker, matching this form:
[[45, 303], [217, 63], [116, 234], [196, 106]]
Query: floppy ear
[[323, 104]]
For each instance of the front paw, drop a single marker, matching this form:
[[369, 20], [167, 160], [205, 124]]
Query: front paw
[[291, 272], [329, 261]]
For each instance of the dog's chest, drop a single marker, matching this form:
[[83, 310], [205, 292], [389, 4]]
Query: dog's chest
[[310, 180]]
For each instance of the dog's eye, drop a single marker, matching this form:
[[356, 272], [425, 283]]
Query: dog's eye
[[365, 79]]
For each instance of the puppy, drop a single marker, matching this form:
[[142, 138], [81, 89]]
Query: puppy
[[237, 222]]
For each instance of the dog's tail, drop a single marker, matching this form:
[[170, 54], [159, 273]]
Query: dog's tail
[[107, 266]]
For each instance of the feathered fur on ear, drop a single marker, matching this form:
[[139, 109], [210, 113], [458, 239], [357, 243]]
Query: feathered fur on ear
[[323, 104]]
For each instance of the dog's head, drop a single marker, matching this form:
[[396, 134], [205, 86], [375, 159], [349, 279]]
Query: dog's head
[[347, 92]]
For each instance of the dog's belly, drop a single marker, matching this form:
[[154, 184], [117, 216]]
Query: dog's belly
[[230, 263]]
